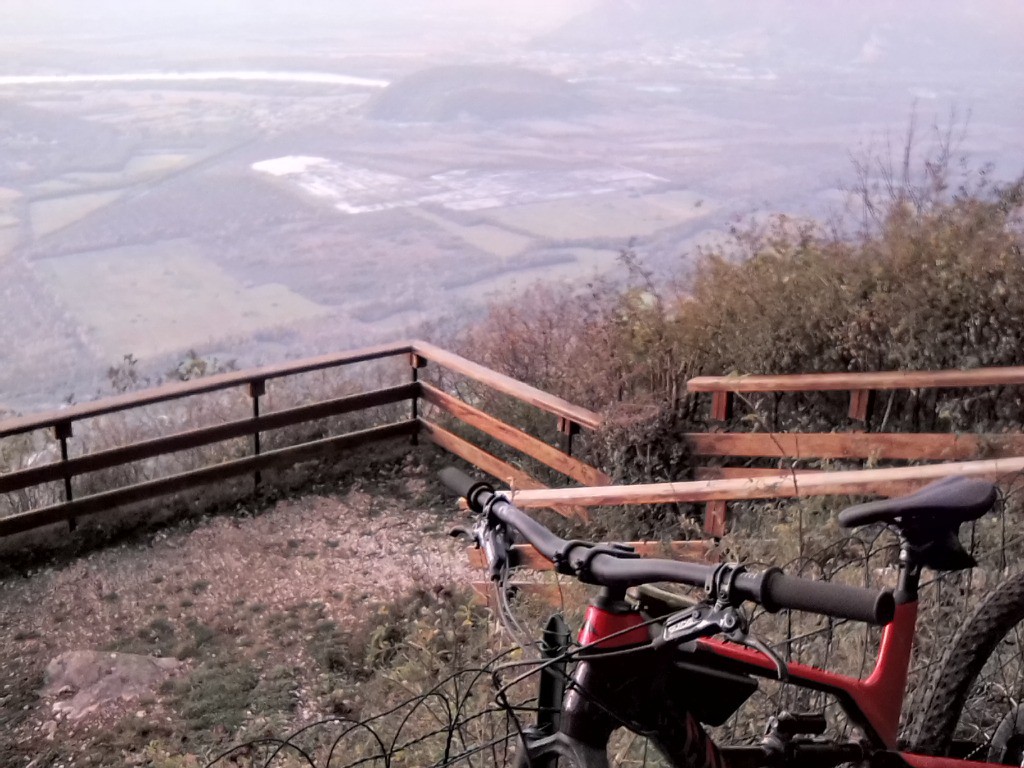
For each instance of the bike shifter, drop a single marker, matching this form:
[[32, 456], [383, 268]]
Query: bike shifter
[[706, 621]]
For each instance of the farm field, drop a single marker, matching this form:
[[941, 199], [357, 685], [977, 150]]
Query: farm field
[[332, 178]]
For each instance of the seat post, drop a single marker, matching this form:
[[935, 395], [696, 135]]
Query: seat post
[[909, 574]]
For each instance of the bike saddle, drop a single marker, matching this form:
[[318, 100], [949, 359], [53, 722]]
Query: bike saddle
[[930, 518], [951, 501]]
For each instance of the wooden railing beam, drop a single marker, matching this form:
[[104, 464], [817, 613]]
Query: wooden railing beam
[[514, 438], [177, 390], [855, 445], [819, 382], [784, 485], [196, 438], [164, 486], [492, 465], [509, 386]]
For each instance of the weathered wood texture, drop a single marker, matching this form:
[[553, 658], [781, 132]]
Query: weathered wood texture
[[811, 382], [783, 485], [506, 384], [514, 438], [723, 473], [855, 445], [716, 518], [791, 446], [500, 470]]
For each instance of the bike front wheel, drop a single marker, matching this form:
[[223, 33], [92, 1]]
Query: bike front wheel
[[974, 706]]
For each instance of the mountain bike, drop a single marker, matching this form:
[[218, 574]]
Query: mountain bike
[[668, 669]]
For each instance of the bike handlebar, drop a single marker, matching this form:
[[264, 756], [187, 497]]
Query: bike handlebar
[[610, 568]]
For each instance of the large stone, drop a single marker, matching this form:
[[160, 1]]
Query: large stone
[[95, 678]]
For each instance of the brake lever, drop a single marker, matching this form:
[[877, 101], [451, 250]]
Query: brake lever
[[781, 670], [493, 540], [706, 621], [495, 545]]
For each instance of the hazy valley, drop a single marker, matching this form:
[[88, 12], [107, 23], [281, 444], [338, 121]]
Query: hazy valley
[[265, 188]]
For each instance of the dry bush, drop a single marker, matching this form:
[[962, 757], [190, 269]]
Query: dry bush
[[931, 278]]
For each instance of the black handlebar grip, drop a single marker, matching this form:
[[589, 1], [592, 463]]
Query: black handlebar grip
[[461, 484], [457, 481], [839, 601]]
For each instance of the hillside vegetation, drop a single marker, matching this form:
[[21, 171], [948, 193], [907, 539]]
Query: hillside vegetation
[[925, 275]]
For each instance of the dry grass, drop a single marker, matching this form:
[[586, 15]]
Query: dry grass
[[278, 617]]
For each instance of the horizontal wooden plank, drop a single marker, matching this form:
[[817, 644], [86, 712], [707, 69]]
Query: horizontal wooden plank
[[783, 485], [721, 473], [502, 383], [195, 438], [177, 390], [525, 556], [515, 438], [806, 382], [855, 445], [492, 465], [164, 486]]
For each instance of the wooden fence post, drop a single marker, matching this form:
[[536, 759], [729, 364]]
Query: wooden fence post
[[860, 404], [416, 362], [715, 513], [62, 431], [721, 406], [257, 388], [568, 429]]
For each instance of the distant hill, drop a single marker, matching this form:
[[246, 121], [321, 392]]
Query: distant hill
[[491, 93], [915, 34]]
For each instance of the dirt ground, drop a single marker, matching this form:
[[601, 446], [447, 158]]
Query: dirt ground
[[257, 607]]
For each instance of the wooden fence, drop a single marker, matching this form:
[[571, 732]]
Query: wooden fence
[[868, 447], [415, 354], [995, 456]]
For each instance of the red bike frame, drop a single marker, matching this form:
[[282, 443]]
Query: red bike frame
[[877, 700], [875, 703]]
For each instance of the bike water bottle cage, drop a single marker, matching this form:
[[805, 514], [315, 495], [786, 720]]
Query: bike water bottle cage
[[930, 519]]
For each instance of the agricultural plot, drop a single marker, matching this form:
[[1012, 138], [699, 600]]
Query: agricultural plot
[[490, 239], [48, 216], [617, 216], [164, 297], [569, 264], [76, 195]]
